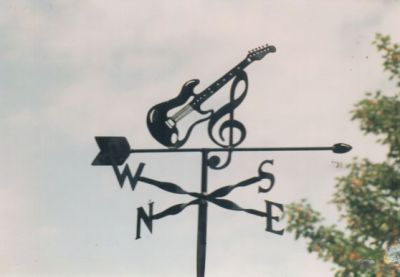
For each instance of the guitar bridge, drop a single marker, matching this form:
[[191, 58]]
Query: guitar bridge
[[170, 123]]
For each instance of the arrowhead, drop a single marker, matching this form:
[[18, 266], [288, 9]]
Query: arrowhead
[[341, 148]]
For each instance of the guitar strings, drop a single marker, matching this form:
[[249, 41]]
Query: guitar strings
[[187, 111], [178, 113], [182, 113]]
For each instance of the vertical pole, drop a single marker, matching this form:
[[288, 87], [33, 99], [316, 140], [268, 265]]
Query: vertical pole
[[202, 218]]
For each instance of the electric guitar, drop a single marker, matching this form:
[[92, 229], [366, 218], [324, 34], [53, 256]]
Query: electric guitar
[[163, 119]]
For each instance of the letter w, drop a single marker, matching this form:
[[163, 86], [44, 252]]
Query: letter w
[[126, 173]]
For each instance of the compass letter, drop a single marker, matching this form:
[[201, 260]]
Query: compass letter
[[266, 175], [126, 173], [147, 219], [270, 218]]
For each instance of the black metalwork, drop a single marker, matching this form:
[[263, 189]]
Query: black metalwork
[[114, 152], [163, 126]]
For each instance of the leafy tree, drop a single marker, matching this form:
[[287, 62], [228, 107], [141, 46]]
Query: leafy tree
[[367, 198]]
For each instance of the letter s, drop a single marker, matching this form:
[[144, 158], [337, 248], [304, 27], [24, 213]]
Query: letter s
[[266, 175]]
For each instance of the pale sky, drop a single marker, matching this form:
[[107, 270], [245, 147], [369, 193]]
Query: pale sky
[[73, 70]]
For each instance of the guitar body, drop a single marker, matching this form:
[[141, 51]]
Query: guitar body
[[160, 124]]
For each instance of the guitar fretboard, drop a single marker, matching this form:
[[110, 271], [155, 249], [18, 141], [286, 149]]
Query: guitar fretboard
[[214, 87]]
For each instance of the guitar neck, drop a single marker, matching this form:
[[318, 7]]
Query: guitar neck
[[214, 87]]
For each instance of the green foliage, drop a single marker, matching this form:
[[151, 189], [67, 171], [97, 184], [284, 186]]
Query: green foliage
[[368, 197], [380, 115], [391, 55]]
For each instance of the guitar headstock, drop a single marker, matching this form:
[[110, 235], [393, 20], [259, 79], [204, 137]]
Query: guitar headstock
[[260, 52]]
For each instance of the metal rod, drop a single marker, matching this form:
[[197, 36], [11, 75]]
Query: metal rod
[[232, 149], [202, 219]]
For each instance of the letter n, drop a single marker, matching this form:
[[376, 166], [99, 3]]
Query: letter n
[[147, 219]]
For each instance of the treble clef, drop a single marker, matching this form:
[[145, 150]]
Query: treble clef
[[231, 123]]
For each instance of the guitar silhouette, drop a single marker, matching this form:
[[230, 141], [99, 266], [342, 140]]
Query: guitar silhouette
[[163, 118]]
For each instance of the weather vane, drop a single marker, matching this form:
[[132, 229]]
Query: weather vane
[[171, 123]]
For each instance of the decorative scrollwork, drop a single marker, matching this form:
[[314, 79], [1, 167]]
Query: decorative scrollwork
[[214, 162]]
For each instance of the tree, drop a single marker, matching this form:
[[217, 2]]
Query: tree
[[367, 198]]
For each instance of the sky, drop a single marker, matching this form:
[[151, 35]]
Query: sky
[[73, 70]]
